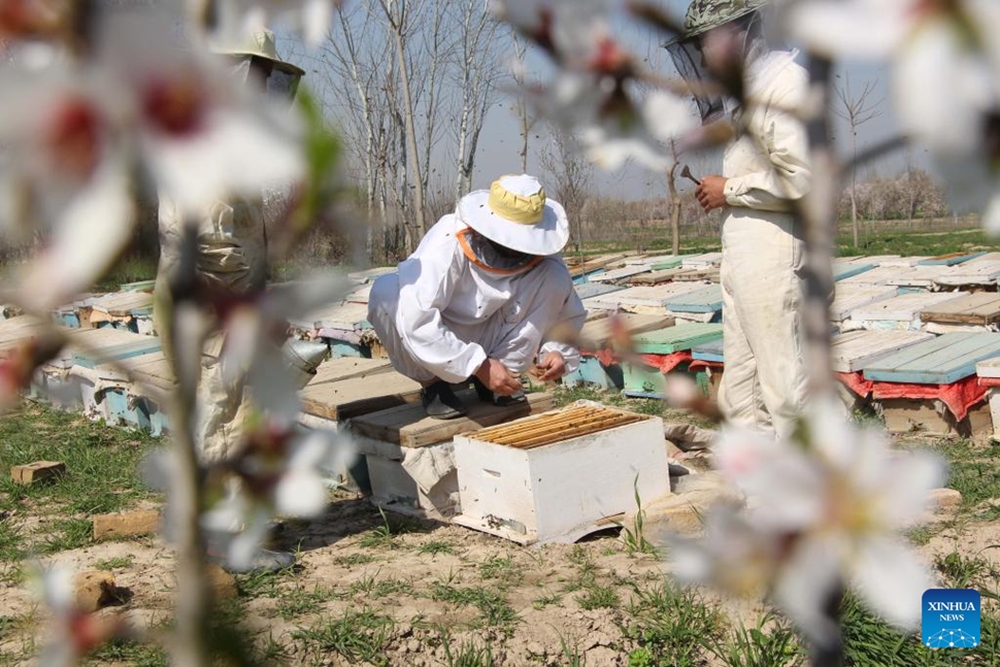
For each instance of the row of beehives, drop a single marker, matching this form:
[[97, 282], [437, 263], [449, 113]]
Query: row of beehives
[[553, 479]]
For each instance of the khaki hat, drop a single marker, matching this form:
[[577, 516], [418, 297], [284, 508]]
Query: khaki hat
[[262, 45]]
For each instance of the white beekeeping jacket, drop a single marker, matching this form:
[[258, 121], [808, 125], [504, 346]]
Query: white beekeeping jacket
[[767, 166], [452, 314]]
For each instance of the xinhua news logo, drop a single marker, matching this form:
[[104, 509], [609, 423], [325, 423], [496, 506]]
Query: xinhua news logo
[[951, 618]]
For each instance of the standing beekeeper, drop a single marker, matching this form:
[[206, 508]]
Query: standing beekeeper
[[485, 294], [231, 264], [765, 171]]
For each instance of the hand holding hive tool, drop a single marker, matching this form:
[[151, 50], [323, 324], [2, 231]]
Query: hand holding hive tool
[[686, 173]]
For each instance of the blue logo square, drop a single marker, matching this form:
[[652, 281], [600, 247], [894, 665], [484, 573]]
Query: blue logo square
[[951, 618]]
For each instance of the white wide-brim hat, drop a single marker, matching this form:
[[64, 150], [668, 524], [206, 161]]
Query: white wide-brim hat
[[260, 44], [515, 213]]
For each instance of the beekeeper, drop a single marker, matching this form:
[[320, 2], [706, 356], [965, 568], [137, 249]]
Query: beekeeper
[[485, 294], [232, 259], [765, 170]]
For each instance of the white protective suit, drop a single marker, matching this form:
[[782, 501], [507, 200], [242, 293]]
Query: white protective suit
[[762, 251], [443, 315], [232, 260]]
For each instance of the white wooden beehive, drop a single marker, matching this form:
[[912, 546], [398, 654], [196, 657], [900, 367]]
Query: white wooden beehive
[[558, 476]]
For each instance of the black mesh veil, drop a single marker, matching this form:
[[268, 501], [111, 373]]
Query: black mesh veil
[[687, 59]]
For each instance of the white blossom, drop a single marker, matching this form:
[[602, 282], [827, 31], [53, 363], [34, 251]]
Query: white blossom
[[822, 512]]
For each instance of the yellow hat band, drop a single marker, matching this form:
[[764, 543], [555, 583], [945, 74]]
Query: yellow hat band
[[517, 208]]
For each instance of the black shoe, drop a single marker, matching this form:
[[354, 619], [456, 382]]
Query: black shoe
[[504, 401], [484, 393], [440, 402]]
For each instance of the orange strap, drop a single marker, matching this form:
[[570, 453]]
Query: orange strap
[[463, 241]]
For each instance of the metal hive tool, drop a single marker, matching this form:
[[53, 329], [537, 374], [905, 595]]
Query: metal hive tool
[[555, 427]]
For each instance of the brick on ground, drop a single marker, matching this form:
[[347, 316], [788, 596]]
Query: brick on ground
[[95, 590], [39, 471], [127, 524]]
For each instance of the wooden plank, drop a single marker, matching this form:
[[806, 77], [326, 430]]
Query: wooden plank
[[589, 290], [657, 262], [904, 307], [655, 297], [596, 334], [347, 316], [620, 274], [360, 295], [880, 275], [698, 274], [657, 277], [346, 398], [407, 425], [99, 354], [942, 360], [921, 275], [842, 269], [705, 300], [904, 261], [981, 308], [850, 296], [983, 270], [855, 350], [989, 369], [369, 275], [344, 368], [677, 338], [713, 350], [121, 303], [705, 260], [951, 259]]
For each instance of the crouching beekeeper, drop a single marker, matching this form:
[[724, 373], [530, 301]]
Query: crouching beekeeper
[[485, 296]]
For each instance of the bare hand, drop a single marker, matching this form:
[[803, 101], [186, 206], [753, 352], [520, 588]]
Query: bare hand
[[711, 193], [498, 378], [551, 367]]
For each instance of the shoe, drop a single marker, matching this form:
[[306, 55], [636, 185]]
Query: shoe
[[504, 401], [440, 401], [266, 561], [484, 393]]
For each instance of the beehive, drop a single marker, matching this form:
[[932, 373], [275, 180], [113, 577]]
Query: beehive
[[558, 476]]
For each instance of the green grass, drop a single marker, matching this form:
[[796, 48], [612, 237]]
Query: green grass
[[975, 473], [129, 653], [101, 476], [597, 596], [373, 587], [502, 569], [493, 606], [967, 571], [352, 560], [435, 547], [760, 646], [128, 270], [116, 563], [546, 600], [300, 601], [383, 537], [671, 627], [358, 637], [467, 654], [915, 242]]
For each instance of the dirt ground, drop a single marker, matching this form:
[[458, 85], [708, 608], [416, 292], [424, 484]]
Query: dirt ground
[[386, 590]]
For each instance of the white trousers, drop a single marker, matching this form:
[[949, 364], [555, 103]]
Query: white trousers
[[764, 382]]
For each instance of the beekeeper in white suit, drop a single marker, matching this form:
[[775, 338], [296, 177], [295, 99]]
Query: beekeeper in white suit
[[485, 294], [231, 264], [765, 171]]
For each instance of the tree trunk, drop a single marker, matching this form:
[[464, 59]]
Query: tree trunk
[[675, 210], [854, 190]]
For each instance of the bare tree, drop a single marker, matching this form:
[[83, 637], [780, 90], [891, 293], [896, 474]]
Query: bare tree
[[856, 110], [479, 67], [572, 174], [521, 104]]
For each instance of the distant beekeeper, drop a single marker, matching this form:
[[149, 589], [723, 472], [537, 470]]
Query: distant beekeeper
[[765, 170], [485, 294], [232, 257]]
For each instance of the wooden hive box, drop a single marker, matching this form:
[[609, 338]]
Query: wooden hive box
[[400, 443], [978, 309], [559, 476]]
